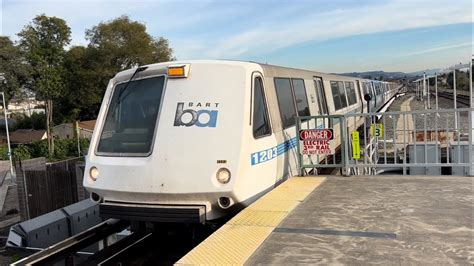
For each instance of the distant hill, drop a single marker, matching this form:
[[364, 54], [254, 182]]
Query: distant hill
[[390, 75], [376, 75], [428, 72]]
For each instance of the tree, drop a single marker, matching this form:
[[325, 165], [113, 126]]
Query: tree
[[462, 80], [13, 66], [432, 81], [122, 44], [84, 86], [114, 46], [43, 41]]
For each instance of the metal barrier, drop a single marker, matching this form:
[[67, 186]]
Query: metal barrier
[[422, 142], [323, 150]]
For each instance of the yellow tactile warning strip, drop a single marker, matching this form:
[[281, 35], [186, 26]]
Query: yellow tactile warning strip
[[237, 240]]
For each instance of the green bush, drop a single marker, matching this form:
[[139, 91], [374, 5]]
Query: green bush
[[84, 145], [39, 148], [22, 152], [35, 121], [4, 152], [63, 149]]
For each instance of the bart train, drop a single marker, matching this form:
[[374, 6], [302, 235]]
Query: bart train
[[190, 141]]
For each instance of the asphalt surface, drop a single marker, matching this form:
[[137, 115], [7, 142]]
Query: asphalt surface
[[389, 220]]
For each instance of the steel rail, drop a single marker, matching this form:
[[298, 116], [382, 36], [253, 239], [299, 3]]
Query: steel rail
[[74, 243], [460, 98]]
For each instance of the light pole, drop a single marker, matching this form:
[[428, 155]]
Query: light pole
[[3, 81]]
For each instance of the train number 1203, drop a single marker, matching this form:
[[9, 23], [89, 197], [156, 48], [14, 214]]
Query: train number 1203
[[263, 156]]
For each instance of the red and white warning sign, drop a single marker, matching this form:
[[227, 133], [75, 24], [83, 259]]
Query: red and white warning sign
[[316, 141]]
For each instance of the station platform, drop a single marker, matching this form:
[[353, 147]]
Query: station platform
[[385, 219]]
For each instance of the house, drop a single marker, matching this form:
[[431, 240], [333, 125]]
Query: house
[[66, 131], [25, 102], [27, 136], [86, 128]]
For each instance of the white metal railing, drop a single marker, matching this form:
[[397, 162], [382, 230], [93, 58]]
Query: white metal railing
[[425, 142]]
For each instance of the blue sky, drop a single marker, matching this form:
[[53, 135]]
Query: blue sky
[[324, 35]]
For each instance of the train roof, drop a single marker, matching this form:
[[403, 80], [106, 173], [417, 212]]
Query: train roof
[[273, 70]]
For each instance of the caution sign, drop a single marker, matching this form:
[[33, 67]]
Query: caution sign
[[355, 145], [377, 130], [316, 141]]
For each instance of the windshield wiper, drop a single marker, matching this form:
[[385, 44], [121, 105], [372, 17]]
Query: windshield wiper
[[120, 98]]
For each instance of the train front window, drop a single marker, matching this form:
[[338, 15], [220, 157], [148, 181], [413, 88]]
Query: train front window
[[261, 123], [131, 118]]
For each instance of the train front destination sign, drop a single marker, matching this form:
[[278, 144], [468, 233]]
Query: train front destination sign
[[316, 141]]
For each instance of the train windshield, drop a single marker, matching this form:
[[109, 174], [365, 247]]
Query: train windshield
[[131, 118]]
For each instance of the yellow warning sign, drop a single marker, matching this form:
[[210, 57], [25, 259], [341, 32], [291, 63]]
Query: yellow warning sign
[[377, 130], [355, 145]]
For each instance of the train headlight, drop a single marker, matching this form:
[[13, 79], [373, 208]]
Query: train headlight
[[223, 175], [94, 173]]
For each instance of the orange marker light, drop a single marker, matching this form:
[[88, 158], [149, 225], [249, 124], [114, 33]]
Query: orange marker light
[[176, 71]]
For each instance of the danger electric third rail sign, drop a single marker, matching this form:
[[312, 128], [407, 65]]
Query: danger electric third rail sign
[[316, 141]]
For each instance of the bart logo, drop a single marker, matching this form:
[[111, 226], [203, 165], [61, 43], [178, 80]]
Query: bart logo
[[200, 118]]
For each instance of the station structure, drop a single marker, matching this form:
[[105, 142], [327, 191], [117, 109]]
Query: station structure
[[415, 217], [401, 194]]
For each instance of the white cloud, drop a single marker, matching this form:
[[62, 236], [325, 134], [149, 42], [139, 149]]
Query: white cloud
[[391, 16], [199, 29], [440, 48]]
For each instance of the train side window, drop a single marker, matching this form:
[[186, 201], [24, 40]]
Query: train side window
[[286, 101], [351, 94], [302, 106], [335, 95], [323, 107], [261, 123], [367, 89], [342, 94]]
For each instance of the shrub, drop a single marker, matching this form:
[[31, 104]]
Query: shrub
[[4, 152], [63, 149], [22, 152], [39, 148]]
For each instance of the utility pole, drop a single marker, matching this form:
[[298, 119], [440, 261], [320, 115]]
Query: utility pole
[[3, 81], [424, 88], [455, 100]]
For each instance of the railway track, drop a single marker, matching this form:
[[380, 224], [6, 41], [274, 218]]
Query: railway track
[[164, 245], [66, 249], [460, 98], [121, 252]]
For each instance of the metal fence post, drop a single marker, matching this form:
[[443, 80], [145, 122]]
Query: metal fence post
[[300, 159], [344, 141], [429, 95]]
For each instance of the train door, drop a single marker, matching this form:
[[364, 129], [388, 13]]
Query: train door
[[292, 101], [264, 145], [321, 98]]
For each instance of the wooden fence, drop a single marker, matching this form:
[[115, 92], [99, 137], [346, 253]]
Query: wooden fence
[[44, 187]]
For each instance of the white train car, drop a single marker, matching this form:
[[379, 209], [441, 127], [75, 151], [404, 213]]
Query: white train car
[[192, 141]]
